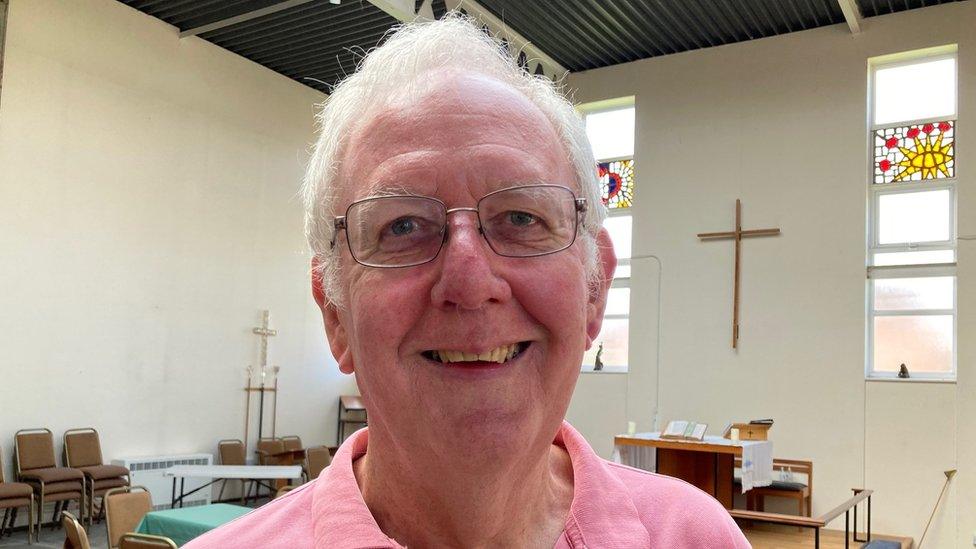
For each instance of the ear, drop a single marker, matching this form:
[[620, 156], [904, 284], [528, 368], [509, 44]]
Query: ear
[[334, 330], [606, 260]]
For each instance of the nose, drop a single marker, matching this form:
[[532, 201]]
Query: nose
[[467, 279]]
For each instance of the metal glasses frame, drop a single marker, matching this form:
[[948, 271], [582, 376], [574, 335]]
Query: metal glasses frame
[[340, 223]]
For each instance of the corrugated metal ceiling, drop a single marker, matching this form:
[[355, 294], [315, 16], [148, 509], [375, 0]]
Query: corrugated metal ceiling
[[873, 8], [588, 34], [316, 42]]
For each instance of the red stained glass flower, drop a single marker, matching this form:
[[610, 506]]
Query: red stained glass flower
[[928, 128], [912, 133], [944, 127], [885, 165], [892, 142]]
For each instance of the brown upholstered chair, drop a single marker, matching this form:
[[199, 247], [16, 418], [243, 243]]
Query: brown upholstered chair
[[316, 459], [14, 495], [267, 448], [34, 452], [232, 452], [292, 442], [75, 536], [145, 541], [124, 508], [83, 451]]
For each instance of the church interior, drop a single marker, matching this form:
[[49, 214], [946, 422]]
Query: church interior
[[795, 298]]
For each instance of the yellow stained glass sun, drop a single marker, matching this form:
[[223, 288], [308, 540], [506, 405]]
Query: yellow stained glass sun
[[927, 157]]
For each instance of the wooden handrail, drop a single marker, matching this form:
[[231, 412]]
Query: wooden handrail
[[859, 496], [805, 522], [778, 518]]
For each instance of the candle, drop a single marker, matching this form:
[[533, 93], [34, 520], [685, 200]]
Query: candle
[[631, 427], [734, 434]]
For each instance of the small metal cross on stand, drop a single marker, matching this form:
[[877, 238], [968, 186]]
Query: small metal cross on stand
[[264, 331], [737, 235]]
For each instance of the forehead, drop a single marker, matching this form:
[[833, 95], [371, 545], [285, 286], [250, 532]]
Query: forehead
[[462, 134]]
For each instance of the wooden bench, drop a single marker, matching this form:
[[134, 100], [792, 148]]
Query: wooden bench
[[802, 492]]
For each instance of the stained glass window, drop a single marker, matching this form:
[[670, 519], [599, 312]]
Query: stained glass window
[[611, 134], [911, 254], [617, 181], [914, 153]]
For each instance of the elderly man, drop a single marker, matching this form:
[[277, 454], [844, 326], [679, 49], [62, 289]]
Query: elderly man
[[462, 270]]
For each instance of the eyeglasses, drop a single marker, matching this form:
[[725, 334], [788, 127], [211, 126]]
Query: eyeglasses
[[407, 230]]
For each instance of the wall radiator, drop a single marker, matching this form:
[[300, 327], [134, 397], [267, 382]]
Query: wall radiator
[[148, 472]]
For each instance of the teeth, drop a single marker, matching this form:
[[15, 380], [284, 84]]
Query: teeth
[[499, 354]]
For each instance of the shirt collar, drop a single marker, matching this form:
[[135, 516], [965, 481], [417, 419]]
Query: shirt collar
[[341, 518], [602, 507]]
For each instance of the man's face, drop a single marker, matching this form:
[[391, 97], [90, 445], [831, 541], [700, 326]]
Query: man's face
[[465, 137]]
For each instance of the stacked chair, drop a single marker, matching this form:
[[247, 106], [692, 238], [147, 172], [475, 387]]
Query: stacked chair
[[232, 452], [83, 451], [36, 466], [124, 509], [292, 442], [316, 459], [267, 448], [14, 495]]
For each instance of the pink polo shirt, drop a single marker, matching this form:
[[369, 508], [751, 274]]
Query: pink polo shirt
[[613, 506]]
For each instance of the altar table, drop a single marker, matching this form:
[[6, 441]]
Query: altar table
[[707, 464]]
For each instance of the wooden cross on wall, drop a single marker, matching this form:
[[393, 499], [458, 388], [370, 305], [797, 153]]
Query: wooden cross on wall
[[737, 235]]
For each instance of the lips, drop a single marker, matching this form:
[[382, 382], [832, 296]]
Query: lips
[[498, 355]]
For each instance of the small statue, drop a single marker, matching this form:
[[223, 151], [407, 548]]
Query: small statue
[[598, 362], [903, 372]]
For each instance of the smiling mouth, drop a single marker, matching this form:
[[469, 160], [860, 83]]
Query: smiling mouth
[[498, 355]]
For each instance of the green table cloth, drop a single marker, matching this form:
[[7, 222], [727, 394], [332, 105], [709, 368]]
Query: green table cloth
[[182, 525]]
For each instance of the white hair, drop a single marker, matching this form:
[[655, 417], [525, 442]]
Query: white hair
[[390, 73]]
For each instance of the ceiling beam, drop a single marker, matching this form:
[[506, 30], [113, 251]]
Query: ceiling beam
[[246, 16], [402, 10], [516, 42], [852, 14]]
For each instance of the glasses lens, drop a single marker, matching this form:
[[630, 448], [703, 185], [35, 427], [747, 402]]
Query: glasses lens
[[529, 221], [396, 231]]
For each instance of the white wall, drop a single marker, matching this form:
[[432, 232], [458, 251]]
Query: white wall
[[148, 214], [781, 123]]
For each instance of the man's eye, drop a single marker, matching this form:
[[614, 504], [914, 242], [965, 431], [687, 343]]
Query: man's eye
[[402, 226], [521, 219]]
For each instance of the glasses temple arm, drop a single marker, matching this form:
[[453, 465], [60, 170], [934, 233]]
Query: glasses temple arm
[[339, 224]]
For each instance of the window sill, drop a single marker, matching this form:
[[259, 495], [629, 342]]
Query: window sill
[[911, 380], [605, 370]]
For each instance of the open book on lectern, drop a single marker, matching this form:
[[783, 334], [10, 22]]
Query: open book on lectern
[[685, 430]]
